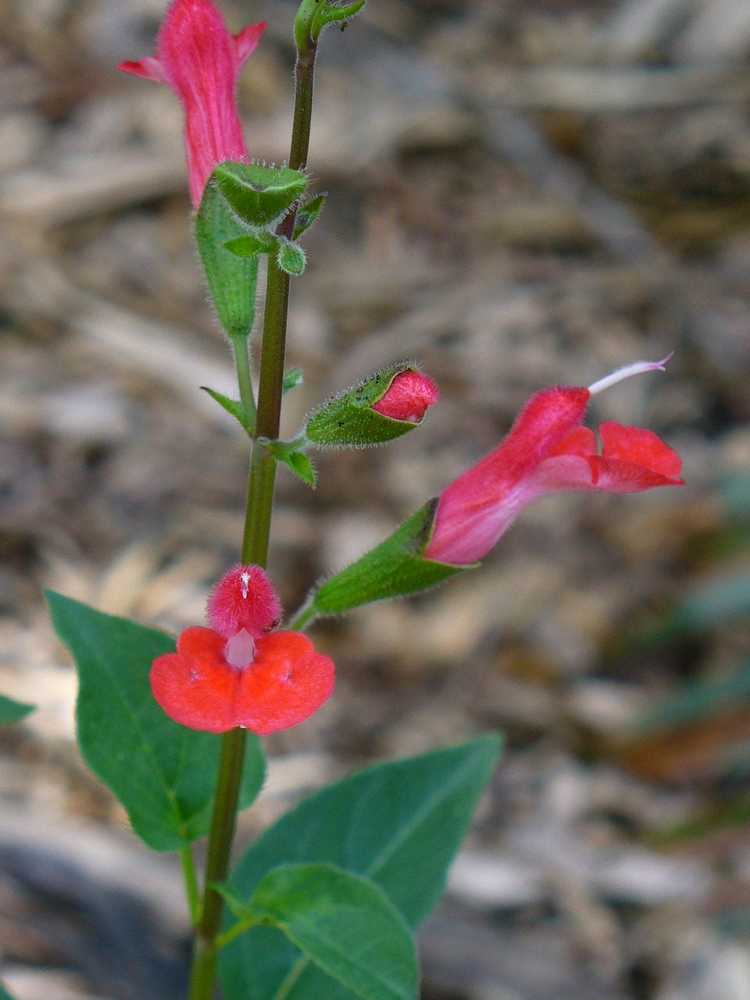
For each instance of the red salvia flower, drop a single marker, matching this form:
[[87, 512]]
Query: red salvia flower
[[547, 451], [409, 396], [200, 60], [238, 673]]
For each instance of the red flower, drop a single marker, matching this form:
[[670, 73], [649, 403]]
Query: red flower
[[409, 396], [259, 680], [200, 60], [546, 451]]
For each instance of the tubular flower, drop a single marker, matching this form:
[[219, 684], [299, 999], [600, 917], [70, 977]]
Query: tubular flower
[[200, 60], [239, 673], [547, 451], [409, 397]]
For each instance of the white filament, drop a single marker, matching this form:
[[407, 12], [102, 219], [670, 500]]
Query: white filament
[[636, 368], [245, 584]]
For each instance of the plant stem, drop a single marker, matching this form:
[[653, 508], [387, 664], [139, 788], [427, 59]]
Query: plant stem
[[191, 884], [244, 381], [304, 616], [255, 540]]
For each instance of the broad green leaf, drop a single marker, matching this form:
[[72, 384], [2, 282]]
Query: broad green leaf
[[259, 195], [4, 995], [399, 824], [308, 214], [252, 244], [392, 569], [348, 419], [345, 925], [291, 258], [232, 406], [13, 711], [232, 280], [163, 773], [292, 379]]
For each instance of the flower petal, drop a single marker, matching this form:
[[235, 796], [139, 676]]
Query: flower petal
[[286, 684], [638, 446], [195, 686], [148, 68], [246, 41]]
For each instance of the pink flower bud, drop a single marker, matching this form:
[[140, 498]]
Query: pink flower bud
[[547, 451], [200, 60], [409, 397], [244, 598]]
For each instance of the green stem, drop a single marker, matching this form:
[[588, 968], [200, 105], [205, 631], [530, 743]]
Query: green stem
[[254, 543], [244, 379], [303, 617], [191, 884]]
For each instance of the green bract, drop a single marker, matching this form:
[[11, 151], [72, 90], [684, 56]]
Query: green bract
[[348, 418], [231, 280], [394, 568], [259, 195]]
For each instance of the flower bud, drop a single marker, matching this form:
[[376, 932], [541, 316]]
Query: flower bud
[[382, 407], [409, 397]]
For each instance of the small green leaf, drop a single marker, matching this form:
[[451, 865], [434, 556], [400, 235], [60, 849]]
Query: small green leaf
[[13, 711], [252, 244], [394, 568], [231, 280], [345, 924], [233, 407], [163, 773], [348, 419], [292, 455], [399, 824], [292, 379], [308, 214], [260, 195], [291, 258], [333, 13]]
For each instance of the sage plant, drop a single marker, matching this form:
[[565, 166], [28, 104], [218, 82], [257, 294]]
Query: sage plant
[[324, 905]]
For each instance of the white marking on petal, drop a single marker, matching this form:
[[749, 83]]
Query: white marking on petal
[[620, 374], [239, 652], [245, 584]]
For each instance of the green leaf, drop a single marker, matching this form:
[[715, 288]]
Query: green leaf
[[309, 213], [345, 924], [302, 467], [333, 13], [394, 568], [260, 195], [252, 244], [291, 258], [292, 379], [291, 453], [399, 824], [4, 995], [233, 407], [13, 711], [232, 280], [348, 420], [163, 773]]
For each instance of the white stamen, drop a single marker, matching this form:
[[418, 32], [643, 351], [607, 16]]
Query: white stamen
[[239, 652], [637, 368], [245, 584]]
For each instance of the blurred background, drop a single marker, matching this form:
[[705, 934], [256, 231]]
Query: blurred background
[[521, 194]]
